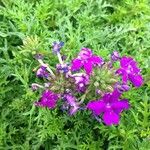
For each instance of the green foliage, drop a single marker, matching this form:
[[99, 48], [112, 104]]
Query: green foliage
[[102, 25]]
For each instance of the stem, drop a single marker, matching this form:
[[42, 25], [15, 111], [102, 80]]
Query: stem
[[59, 57]]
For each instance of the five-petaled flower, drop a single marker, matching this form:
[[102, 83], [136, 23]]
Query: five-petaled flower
[[87, 60], [111, 106], [130, 71], [48, 99]]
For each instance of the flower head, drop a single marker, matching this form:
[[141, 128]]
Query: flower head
[[57, 46], [87, 60], [130, 71], [111, 107], [48, 99]]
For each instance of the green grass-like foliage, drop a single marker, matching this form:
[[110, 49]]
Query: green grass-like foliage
[[29, 26]]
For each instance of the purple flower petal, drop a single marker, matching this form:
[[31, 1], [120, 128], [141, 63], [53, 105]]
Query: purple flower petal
[[76, 64], [85, 53], [48, 99], [115, 56], [42, 72], [96, 106], [57, 46], [88, 67], [73, 110], [136, 80], [96, 59], [125, 61], [111, 118], [119, 106], [124, 75]]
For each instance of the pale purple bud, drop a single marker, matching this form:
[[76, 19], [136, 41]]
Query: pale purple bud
[[121, 87], [115, 56], [57, 46], [38, 56]]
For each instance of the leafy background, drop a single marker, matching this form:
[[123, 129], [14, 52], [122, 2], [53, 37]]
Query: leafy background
[[27, 26]]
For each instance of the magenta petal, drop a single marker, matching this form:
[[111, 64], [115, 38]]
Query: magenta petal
[[48, 99], [119, 106], [124, 75], [96, 106], [111, 118], [73, 110], [134, 67], [76, 64], [137, 80], [96, 60], [85, 53], [115, 95], [88, 67], [125, 61]]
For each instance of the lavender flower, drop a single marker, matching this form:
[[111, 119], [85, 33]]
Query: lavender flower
[[63, 68], [81, 81], [130, 71], [110, 105], [57, 46], [115, 56], [71, 101], [48, 99], [42, 72], [87, 60], [121, 87]]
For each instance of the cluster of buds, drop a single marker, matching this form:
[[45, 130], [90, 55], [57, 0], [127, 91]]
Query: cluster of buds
[[86, 77]]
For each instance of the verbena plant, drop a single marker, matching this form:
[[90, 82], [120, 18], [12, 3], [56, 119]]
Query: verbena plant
[[87, 76], [30, 26]]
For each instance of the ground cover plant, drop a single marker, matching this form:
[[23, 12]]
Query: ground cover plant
[[29, 27]]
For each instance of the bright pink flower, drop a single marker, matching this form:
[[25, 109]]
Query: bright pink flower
[[87, 60], [48, 99], [111, 107], [130, 71]]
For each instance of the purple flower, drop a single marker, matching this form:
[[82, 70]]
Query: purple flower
[[42, 72], [111, 107], [81, 81], [57, 46], [115, 56], [71, 101], [130, 71], [48, 99], [87, 60]]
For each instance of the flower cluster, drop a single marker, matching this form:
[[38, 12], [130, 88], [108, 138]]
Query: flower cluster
[[88, 77]]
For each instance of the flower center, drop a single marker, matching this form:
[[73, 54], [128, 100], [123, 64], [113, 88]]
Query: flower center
[[108, 105]]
